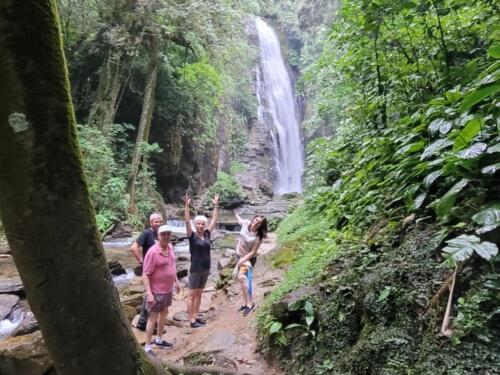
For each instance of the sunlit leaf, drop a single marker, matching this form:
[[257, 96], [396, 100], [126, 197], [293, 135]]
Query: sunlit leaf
[[384, 294], [419, 200], [493, 149], [309, 319], [473, 151], [491, 169], [309, 308], [435, 147], [488, 217], [462, 247], [275, 327], [429, 179], [294, 325]]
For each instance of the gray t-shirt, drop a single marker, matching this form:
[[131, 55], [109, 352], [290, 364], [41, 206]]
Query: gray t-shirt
[[247, 239]]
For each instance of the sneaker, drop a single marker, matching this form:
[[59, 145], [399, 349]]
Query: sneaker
[[149, 351], [242, 307], [247, 310], [196, 324], [201, 321], [163, 343]]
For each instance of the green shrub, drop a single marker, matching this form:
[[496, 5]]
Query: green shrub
[[226, 187]]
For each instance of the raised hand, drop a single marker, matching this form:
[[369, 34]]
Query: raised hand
[[187, 200], [215, 200]]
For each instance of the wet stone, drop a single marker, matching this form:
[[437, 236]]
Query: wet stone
[[7, 302]]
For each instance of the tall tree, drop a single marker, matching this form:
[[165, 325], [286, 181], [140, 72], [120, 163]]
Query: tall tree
[[45, 207]]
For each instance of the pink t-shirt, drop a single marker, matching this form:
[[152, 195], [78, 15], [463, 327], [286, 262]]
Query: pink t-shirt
[[160, 269]]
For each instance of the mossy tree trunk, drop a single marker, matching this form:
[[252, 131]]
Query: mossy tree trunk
[[45, 206], [145, 121], [104, 107]]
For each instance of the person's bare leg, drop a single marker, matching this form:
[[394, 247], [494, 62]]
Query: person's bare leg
[[190, 305], [197, 303], [150, 326], [244, 288], [162, 316]]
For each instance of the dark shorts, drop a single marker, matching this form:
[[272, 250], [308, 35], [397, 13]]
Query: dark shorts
[[198, 280], [162, 301]]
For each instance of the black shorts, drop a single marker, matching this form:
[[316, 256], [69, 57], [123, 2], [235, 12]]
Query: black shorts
[[198, 280]]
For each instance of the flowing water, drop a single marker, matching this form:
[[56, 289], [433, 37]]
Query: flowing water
[[278, 101]]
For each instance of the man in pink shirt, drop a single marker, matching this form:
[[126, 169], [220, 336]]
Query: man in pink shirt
[[159, 276]]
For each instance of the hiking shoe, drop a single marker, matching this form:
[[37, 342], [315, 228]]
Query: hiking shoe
[[201, 321], [247, 310], [196, 324], [163, 343], [242, 307]]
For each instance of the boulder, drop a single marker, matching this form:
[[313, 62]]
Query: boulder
[[182, 273], [25, 355], [12, 286], [226, 262], [129, 312], [233, 203], [134, 300], [116, 268], [29, 323], [266, 187], [7, 302]]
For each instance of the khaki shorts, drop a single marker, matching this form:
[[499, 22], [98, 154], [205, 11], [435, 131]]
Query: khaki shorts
[[161, 303]]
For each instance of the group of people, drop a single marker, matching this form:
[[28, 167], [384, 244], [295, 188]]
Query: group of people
[[155, 254]]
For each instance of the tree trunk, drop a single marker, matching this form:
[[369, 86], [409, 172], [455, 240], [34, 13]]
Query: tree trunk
[[45, 205], [103, 110], [145, 122]]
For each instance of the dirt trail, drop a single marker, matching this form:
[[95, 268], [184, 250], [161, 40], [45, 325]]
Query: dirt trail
[[228, 338]]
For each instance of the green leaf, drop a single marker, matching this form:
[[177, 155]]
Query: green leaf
[[435, 147], [448, 200], [488, 217], [491, 169], [281, 338], [419, 200], [309, 308], [462, 247], [384, 294], [473, 151], [467, 134], [494, 51], [294, 325], [430, 178], [494, 148], [309, 320], [275, 327], [476, 96], [294, 306]]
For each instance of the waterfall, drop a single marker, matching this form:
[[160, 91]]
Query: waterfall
[[275, 97]]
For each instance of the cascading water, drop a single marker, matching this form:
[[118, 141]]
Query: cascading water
[[278, 101]]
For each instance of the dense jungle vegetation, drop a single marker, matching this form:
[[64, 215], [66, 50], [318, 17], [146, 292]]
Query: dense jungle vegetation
[[401, 200]]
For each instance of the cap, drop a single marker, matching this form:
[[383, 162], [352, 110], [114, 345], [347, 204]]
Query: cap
[[164, 228]]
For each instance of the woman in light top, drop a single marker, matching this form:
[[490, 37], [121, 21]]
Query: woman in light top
[[199, 247], [251, 234]]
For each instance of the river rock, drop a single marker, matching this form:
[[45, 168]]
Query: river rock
[[29, 323], [134, 300], [182, 273], [25, 355], [226, 262], [116, 268], [129, 312], [7, 302], [181, 316], [182, 258], [12, 286]]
